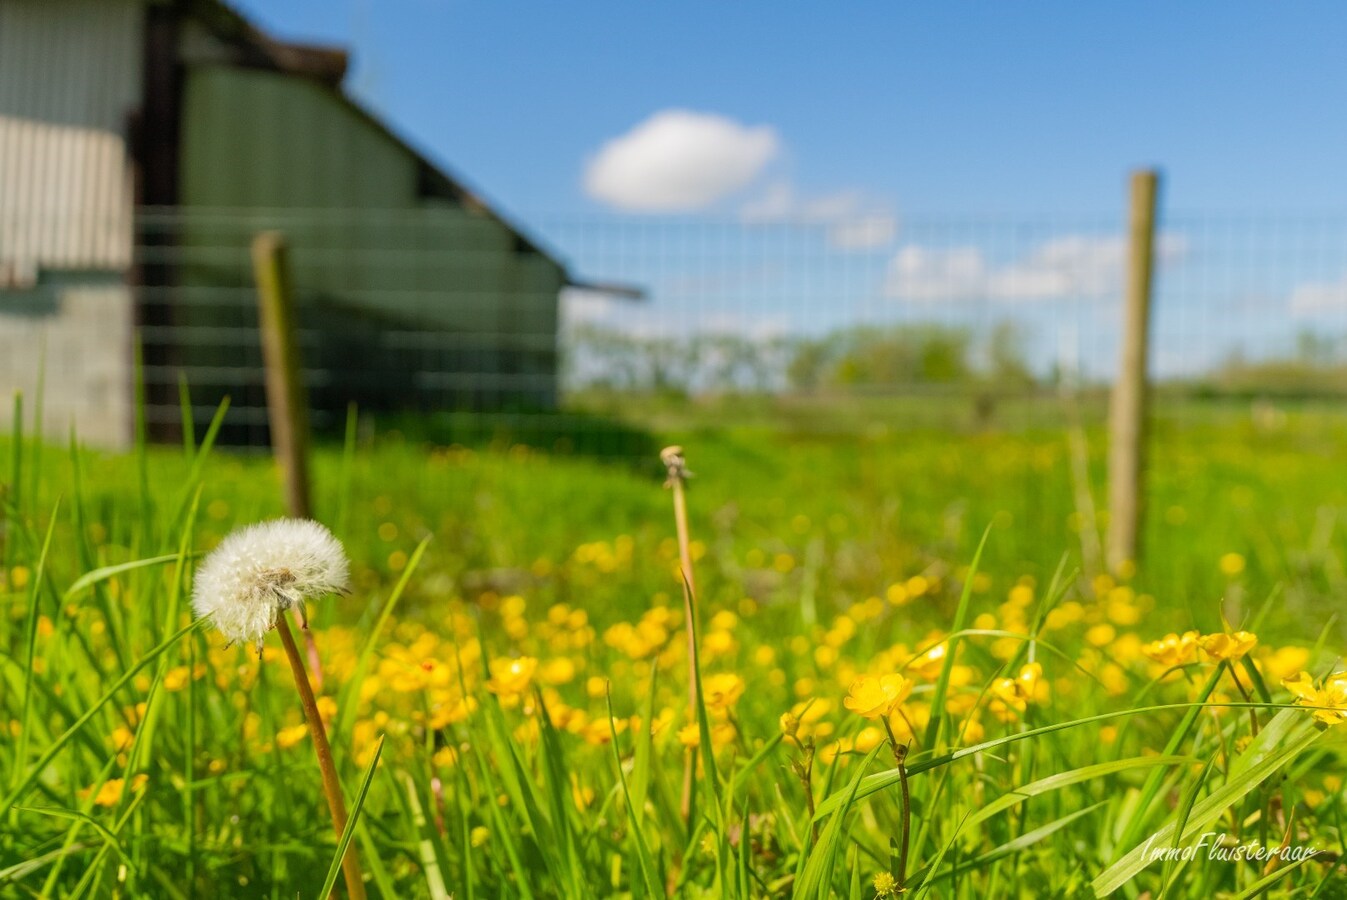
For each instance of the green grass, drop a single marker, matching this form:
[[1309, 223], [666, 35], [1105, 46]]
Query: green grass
[[797, 529]]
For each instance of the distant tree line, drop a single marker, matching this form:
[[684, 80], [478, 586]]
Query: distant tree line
[[1315, 366], [854, 358]]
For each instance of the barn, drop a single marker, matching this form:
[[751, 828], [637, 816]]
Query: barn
[[144, 142]]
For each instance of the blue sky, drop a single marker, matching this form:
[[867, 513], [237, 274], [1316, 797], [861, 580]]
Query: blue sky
[[950, 161], [930, 107]]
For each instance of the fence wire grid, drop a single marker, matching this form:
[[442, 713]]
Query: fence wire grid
[[946, 320]]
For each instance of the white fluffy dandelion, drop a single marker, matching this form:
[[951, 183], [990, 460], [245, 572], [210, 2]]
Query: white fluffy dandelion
[[259, 572]]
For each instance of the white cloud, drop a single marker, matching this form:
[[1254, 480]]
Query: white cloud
[[923, 274], [1068, 267], [852, 222], [679, 160], [1319, 297], [865, 232], [581, 306]]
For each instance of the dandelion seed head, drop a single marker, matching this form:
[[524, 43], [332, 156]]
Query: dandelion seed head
[[258, 572]]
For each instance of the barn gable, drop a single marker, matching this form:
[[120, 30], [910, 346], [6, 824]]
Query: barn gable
[[109, 105]]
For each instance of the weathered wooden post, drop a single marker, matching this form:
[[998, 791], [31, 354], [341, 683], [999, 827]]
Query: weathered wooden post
[[287, 403], [1127, 409]]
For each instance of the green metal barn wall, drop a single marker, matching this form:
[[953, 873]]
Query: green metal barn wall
[[409, 302]]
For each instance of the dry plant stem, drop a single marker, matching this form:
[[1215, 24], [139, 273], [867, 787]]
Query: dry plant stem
[[900, 757], [672, 457], [310, 647], [681, 523], [336, 804]]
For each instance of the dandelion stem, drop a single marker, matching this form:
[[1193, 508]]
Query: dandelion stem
[[900, 758], [672, 457], [336, 803]]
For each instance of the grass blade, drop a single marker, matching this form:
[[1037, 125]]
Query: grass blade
[[1265, 755], [938, 716], [26, 781], [334, 869]]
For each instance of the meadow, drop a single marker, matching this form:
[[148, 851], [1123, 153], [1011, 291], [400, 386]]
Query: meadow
[[898, 640]]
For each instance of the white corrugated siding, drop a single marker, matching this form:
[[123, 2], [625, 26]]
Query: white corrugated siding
[[69, 78]]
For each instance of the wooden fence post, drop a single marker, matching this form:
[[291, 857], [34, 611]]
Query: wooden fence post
[[287, 403], [1127, 409]]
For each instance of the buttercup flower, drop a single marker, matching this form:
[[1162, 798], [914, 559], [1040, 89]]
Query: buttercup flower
[[1229, 646], [511, 677], [110, 793], [1332, 692], [260, 571], [1173, 649], [1012, 696], [722, 691], [873, 697], [929, 664]]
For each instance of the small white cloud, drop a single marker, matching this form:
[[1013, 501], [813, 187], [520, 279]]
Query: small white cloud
[[866, 232], [1319, 297], [777, 202], [678, 161], [1068, 267], [581, 306], [851, 222], [924, 274]]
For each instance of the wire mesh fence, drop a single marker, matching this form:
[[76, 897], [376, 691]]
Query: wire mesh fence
[[959, 320], [428, 320]]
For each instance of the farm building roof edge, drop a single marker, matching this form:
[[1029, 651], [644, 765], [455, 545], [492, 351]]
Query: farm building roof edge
[[327, 65]]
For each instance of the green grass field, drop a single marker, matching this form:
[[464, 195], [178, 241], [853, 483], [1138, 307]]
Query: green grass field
[[143, 760]]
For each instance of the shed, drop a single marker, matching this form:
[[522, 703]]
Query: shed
[[144, 142]]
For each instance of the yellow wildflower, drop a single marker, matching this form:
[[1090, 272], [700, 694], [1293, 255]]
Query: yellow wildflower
[[1013, 695], [1173, 649], [511, 677], [288, 737], [721, 692], [929, 664], [868, 739], [1227, 646], [872, 697], [721, 735], [121, 737], [1284, 661], [1331, 693], [558, 670], [1101, 635], [719, 643], [110, 793]]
